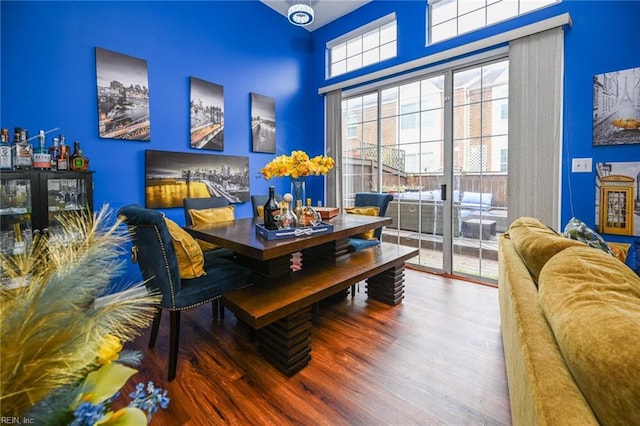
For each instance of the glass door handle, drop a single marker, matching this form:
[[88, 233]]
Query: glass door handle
[[443, 192]]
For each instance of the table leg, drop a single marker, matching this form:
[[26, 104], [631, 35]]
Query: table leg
[[286, 343], [388, 286]]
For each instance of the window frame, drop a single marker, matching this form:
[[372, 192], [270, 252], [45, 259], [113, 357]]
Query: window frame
[[361, 57]]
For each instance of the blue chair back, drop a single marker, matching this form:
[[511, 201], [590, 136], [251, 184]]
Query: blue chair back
[[373, 199], [201, 204], [156, 256]]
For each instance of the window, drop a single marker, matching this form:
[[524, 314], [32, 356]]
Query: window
[[364, 46], [449, 18]]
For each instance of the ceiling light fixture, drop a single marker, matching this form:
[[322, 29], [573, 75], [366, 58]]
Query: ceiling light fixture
[[300, 14]]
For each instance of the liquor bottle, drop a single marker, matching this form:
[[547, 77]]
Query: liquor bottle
[[63, 157], [271, 210], [54, 153], [77, 161], [298, 212], [6, 159], [310, 216], [41, 156], [286, 218], [23, 151]]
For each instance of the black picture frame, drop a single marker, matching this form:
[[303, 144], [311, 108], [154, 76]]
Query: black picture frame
[[172, 176], [263, 124]]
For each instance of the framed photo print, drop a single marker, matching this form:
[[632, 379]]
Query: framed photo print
[[123, 96], [616, 108], [206, 109], [172, 176], [263, 124]]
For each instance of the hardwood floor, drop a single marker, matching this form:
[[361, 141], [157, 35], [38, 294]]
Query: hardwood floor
[[435, 359]]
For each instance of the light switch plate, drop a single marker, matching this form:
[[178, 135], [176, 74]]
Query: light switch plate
[[581, 165]]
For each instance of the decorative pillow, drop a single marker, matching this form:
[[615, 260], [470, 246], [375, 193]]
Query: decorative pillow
[[578, 230], [592, 303], [188, 252], [212, 215], [536, 243], [365, 211], [633, 258], [260, 211], [619, 250]]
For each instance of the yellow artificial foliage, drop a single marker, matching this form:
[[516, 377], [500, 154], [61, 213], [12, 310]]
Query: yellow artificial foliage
[[52, 332], [297, 165]]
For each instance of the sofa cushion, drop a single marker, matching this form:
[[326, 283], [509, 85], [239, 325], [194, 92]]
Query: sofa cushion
[[536, 243], [592, 303]]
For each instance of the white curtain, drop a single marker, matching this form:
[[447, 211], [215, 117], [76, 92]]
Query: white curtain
[[333, 134], [536, 67]]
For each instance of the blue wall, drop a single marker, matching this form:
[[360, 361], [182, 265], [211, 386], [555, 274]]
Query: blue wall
[[603, 38], [49, 79]]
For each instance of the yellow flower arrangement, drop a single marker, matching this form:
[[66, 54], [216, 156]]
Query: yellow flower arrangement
[[298, 165]]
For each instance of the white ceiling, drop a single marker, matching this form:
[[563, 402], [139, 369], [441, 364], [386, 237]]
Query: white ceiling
[[325, 11]]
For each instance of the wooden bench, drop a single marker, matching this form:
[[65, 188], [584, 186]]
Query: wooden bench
[[281, 311]]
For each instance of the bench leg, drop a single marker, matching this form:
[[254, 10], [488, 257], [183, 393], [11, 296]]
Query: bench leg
[[286, 343], [388, 286]]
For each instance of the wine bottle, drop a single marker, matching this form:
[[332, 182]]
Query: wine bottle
[[77, 160], [41, 156], [298, 212], [271, 210], [63, 157], [6, 159]]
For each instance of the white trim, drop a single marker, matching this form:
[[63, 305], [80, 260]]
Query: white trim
[[361, 30], [553, 22]]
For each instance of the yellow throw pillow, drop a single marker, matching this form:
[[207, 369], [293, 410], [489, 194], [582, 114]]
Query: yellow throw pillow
[[188, 252], [260, 211], [365, 211], [212, 215]]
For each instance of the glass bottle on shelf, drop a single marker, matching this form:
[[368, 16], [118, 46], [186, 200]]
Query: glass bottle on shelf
[[63, 157], [54, 153], [78, 161], [41, 156], [310, 216], [6, 159], [23, 151], [286, 218], [271, 210], [298, 212]]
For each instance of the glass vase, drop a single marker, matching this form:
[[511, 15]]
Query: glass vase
[[297, 190]]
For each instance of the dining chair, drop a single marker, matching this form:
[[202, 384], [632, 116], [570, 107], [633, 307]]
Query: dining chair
[[369, 199], [153, 249], [260, 200], [203, 204]]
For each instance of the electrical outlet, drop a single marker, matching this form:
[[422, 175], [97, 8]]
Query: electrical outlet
[[581, 165]]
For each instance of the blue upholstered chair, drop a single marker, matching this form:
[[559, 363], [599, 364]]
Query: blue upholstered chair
[[203, 204], [156, 257], [260, 200], [369, 199]]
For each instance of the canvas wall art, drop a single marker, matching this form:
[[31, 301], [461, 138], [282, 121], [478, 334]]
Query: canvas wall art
[[123, 96], [171, 177], [263, 123], [618, 198], [616, 108], [207, 115]]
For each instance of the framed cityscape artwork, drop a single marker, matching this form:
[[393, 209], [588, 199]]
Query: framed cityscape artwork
[[206, 109], [263, 124], [123, 96], [616, 108], [172, 176]]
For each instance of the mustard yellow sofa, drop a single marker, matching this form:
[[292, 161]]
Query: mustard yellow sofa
[[570, 319]]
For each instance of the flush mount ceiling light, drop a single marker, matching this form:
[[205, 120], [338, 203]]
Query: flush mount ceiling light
[[300, 14]]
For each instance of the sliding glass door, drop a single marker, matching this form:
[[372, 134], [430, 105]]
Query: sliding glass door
[[438, 144]]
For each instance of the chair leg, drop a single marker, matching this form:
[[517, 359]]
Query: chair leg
[[215, 308], [174, 342], [154, 328], [221, 308]]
